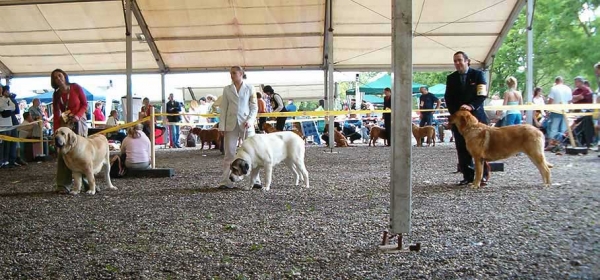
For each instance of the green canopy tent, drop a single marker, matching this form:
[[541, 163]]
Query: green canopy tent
[[438, 90], [376, 87]]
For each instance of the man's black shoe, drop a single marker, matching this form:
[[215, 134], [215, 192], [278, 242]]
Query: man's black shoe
[[463, 183], [257, 186]]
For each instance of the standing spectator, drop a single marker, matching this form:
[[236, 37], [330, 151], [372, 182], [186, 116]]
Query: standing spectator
[[262, 108], [466, 89], [22, 106], [513, 97], [538, 97], [98, 115], [559, 94], [291, 107], [426, 102], [7, 111], [277, 105], [582, 93], [203, 108], [238, 114], [174, 107], [387, 117], [68, 98]]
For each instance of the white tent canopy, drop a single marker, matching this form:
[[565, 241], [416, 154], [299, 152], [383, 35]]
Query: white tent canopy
[[88, 37]]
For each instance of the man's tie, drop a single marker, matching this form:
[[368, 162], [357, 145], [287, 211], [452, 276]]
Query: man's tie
[[463, 80]]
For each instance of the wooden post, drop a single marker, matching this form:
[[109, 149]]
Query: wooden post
[[152, 139], [569, 131]]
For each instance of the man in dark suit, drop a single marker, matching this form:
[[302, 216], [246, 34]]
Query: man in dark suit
[[466, 89]]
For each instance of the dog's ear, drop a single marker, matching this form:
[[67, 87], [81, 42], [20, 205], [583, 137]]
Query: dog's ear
[[71, 138], [245, 167]]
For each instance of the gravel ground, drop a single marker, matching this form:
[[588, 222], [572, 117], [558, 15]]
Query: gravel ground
[[182, 228]]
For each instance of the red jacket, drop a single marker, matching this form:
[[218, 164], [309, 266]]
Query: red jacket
[[77, 104]]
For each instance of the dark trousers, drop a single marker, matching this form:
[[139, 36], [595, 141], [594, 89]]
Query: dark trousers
[[280, 125], [387, 122], [465, 161], [9, 149], [261, 122]]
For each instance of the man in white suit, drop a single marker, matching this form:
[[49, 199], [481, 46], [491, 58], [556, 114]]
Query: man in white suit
[[239, 108]]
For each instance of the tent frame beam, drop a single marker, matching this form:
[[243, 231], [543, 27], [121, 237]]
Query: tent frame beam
[[42, 2], [6, 72], [508, 24], [417, 34], [148, 36]]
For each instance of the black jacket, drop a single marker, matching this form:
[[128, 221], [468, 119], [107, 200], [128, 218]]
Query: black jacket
[[456, 96], [173, 107]]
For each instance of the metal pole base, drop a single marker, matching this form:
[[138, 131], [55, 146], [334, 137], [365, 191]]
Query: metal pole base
[[388, 248]]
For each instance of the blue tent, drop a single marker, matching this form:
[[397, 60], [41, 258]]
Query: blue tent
[[47, 97], [438, 90]]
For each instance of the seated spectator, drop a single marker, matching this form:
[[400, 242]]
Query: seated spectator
[[136, 148], [26, 128], [113, 121]]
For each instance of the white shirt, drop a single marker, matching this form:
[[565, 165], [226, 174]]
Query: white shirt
[[25, 129], [137, 149], [538, 100], [111, 122], [6, 104], [560, 94]]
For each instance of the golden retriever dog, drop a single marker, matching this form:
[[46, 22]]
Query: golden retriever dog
[[208, 136], [377, 133], [84, 157], [496, 143], [422, 132]]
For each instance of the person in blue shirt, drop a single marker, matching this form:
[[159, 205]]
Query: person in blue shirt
[[291, 107]]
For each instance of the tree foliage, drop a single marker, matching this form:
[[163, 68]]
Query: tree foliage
[[563, 45]]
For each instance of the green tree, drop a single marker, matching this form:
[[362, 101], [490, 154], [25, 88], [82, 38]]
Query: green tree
[[563, 45], [430, 78]]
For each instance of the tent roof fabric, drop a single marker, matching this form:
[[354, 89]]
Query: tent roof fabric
[[377, 86], [88, 36], [438, 89], [47, 97]]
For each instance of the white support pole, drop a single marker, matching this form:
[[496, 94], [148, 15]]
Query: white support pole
[[529, 79], [128, 58], [400, 173]]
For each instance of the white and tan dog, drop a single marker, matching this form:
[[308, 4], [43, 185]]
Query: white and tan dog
[[266, 151], [84, 156]]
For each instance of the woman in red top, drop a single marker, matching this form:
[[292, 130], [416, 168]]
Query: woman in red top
[[98, 115], [68, 97]]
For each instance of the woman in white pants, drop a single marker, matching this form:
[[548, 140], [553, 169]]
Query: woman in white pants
[[238, 113]]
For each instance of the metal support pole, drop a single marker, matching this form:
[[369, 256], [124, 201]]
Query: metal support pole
[[330, 91], [529, 79], [401, 183], [129, 59], [163, 92]]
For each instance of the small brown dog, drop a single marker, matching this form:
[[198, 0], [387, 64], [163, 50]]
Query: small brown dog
[[422, 132], [495, 143], [207, 135], [270, 129], [338, 137], [377, 133]]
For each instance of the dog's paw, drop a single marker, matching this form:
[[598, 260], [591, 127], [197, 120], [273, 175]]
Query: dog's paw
[[265, 189], [474, 186], [91, 192], [112, 188], [306, 186], [73, 192]]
